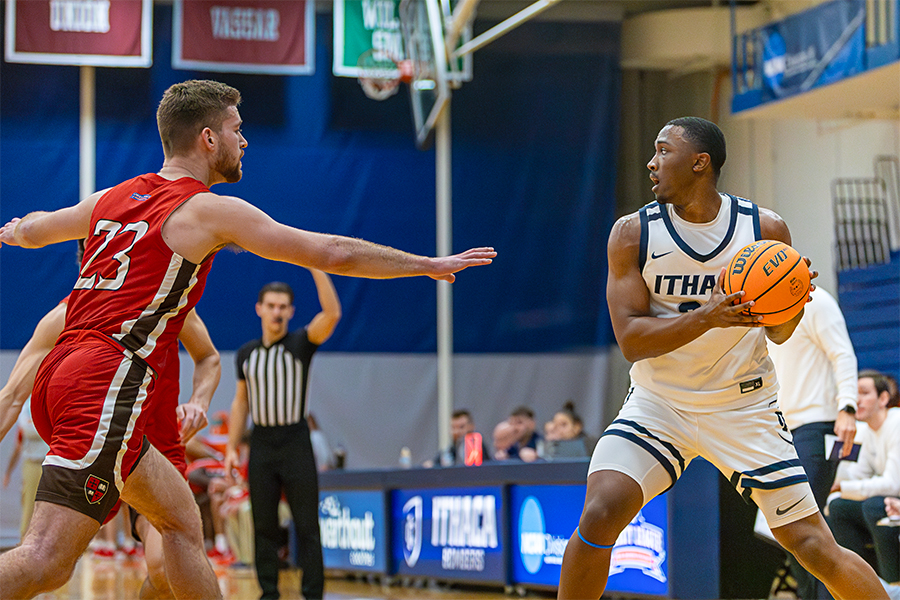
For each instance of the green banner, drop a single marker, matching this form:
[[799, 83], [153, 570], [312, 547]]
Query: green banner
[[361, 25]]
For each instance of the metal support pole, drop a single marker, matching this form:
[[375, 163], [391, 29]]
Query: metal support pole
[[503, 28], [443, 161], [87, 143]]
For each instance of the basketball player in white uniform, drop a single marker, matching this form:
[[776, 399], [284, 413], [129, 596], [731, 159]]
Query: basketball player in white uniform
[[702, 382]]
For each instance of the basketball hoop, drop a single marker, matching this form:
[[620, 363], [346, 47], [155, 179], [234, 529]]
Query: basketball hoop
[[380, 74]]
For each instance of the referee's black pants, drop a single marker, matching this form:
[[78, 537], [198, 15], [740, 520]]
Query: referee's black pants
[[281, 460]]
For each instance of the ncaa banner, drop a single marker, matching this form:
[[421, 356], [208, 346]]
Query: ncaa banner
[[270, 37], [813, 48], [101, 33], [451, 533], [542, 519]]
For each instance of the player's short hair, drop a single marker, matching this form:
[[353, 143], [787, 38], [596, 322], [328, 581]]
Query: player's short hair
[[277, 287], [894, 390], [522, 411], [706, 137], [882, 383], [187, 107], [462, 412]]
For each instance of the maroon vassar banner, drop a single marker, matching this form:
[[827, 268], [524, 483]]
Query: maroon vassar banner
[[244, 36]]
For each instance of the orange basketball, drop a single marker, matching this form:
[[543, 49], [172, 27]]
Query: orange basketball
[[772, 274]]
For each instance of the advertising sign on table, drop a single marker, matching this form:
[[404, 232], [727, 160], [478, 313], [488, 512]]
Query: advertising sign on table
[[269, 37], [353, 526], [543, 517], [100, 33], [451, 533]]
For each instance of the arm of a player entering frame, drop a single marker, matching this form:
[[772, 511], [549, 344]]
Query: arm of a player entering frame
[[39, 228]]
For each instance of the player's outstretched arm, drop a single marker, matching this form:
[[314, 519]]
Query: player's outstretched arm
[[207, 372], [21, 379], [211, 221], [641, 335], [39, 229]]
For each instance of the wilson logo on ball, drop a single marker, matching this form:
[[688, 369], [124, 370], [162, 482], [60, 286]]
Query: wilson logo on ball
[[740, 260]]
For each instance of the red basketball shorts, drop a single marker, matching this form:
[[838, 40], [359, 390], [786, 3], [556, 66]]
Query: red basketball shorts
[[87, 405]]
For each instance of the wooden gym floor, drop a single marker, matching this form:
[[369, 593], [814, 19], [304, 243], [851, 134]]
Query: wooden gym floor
[[121, 578]]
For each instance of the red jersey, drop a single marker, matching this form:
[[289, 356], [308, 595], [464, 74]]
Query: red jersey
[[132, 287], [162, 423]]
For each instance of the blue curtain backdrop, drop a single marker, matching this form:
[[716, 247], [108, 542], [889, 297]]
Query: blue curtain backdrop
[[534, 146]]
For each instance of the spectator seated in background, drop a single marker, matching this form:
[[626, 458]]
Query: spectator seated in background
[[892, 507], [862, 486], [212, 443], [504, 439], [527, 438], [566, 437], [325, 458], [233, 495], [461, 424], [206, 477], [32, 449]]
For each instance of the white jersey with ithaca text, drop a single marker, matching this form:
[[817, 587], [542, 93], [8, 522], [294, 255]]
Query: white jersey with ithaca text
[[726, 367]]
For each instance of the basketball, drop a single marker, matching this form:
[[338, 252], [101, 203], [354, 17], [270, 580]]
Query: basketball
[[772, 274]]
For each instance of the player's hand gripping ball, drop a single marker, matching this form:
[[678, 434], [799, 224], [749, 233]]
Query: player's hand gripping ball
[[772, 274]]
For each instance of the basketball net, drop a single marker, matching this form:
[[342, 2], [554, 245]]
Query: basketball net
[[379, 73]]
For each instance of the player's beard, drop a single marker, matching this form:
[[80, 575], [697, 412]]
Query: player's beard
[[228, 166]]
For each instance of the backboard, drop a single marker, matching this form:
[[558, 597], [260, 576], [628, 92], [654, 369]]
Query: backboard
[[422, 27]]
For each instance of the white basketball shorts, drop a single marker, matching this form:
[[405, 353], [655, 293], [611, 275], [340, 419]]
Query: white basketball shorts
[[653, 443]]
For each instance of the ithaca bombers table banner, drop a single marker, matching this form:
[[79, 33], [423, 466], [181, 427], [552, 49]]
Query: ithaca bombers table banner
[[244, 36], [102, 33]]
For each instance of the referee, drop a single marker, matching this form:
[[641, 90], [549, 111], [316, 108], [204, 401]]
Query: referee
[[272, 380]]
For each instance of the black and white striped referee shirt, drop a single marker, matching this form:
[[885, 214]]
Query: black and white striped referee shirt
[[277, 378]]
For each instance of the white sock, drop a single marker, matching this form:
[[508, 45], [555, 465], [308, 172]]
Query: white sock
[[221, 542]]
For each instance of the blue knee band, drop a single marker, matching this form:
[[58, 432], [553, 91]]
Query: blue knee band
[[581, 537]]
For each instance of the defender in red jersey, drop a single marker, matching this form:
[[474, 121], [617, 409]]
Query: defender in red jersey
[[151, 242], [169, 426]]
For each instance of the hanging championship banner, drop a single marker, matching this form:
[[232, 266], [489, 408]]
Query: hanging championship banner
[[363, 25], [101, 33], [270, 37]]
